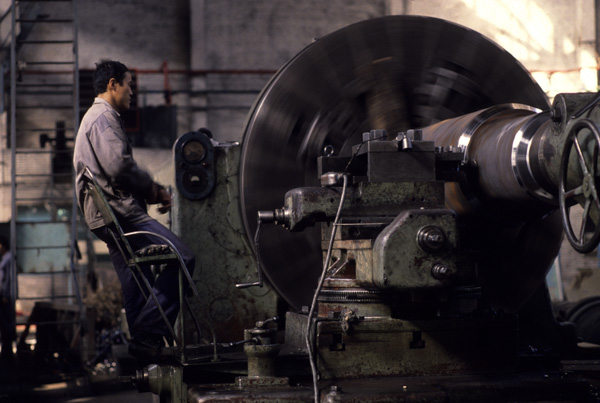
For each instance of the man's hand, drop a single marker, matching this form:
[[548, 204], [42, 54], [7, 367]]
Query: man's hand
[[165, 199], [160, 195]]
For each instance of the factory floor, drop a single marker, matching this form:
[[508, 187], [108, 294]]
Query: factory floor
[[25, 378]]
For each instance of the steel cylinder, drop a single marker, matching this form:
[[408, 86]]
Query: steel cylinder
[[500, 161]]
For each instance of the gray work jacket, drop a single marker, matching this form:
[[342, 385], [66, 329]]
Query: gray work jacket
[[102, 146]]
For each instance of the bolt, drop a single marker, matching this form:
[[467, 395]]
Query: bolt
[[441, 271], [431, 238]]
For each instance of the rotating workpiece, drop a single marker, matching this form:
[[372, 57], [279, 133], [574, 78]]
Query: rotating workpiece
[[394, 73]]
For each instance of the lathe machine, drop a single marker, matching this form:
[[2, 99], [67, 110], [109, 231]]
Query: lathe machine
[[384, 231]]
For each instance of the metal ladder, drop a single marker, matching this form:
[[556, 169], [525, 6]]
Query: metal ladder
[[43, 118]]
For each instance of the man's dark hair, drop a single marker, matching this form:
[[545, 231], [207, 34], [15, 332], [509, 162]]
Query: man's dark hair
[[105, 71]]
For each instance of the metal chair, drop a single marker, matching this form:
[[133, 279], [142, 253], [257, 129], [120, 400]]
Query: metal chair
[[156, 254]]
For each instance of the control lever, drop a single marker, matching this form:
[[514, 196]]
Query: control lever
[[259, 281], [260, 334]]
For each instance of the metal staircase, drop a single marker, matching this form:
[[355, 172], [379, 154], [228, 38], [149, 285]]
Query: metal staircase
[[42, 120]]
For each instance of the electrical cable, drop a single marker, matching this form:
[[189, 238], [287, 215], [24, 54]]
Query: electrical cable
[[357, 151], [309, 328], [309, 332]]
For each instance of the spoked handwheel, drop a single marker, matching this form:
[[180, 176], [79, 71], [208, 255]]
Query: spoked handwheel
[[585, 137]]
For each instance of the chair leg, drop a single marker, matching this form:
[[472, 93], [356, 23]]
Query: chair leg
[[184, 271], [196, 294], [182, 321], [160, 309]]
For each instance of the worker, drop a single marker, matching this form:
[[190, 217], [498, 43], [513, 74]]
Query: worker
[[7, 314], [102, 146]]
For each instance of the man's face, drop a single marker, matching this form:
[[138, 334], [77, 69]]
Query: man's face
[[123, 93]]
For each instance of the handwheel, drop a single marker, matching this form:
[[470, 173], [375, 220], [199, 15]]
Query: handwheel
[[585, 193]]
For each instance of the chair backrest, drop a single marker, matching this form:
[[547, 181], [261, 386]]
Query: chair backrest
[[108, 215]]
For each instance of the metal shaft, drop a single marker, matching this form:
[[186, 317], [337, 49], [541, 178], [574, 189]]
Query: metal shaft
[[501, 162]]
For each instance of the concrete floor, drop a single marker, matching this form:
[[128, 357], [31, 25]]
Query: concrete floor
[[29, 378]]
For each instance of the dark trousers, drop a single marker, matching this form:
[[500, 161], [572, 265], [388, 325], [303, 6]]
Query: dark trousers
[[142, 314], [7, 326]]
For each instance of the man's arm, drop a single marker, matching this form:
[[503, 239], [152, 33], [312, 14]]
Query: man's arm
[[115, 156]]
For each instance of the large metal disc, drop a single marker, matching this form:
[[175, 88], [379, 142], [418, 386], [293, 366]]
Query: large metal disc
[[392, 73]]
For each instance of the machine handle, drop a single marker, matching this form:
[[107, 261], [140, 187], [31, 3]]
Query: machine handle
[[259, 281], [585, 193]]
